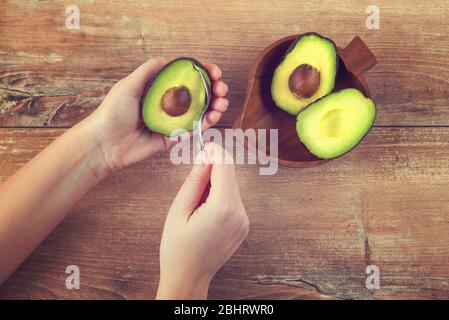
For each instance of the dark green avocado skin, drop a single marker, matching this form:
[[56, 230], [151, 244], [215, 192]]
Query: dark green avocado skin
[[194, 61]]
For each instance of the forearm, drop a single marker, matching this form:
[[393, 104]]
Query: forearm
[[35, 199], [182, 290]]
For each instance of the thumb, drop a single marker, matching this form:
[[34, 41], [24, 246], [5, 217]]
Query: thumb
[[191, 192], [136, 82], [223, 180]]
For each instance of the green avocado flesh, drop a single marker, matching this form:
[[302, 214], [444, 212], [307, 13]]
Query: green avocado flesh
[[336, 123], [314, 59], [177, 97]]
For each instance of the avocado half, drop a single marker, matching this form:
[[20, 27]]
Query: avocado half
[[335, 124], [177, 97], [306, 73]]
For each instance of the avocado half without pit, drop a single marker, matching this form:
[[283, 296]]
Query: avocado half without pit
[[306, 73], [177, 97], [335, 124]]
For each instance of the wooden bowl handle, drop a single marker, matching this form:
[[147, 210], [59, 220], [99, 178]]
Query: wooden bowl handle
[[357, 57]]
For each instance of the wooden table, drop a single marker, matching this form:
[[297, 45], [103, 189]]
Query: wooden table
[[313, 231]]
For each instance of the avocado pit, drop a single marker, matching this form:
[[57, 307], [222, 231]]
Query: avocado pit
[[176, 101], [304, 81]]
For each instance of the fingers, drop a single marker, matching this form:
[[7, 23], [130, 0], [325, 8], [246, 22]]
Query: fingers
[[191, 192], [210, 119], [135, 83], [220, 89], [220, 104], [223, 181], [223, 204], [218, 174], [217, 107], [214, 71]]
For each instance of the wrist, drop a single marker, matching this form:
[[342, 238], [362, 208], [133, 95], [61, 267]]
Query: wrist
[[183, 290], [90, 148]]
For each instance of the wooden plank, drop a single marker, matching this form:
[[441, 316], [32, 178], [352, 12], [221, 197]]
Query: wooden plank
[[51, 76], [313, 231]]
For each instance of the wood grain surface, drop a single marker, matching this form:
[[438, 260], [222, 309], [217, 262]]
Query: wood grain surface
[[313, 231], [53, 76]]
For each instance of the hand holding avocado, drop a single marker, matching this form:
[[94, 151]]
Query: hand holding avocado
[[177, 97], [38, 197], [207, 221], [120, 131]]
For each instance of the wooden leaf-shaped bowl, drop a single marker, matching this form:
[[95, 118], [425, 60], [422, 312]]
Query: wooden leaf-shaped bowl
[[260, 112]]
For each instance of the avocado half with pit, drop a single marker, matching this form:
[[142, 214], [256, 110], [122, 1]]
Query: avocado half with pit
[[306, 73], [335, 124], [177, 97]]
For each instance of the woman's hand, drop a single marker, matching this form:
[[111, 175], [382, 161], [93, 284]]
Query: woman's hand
[[117, 124], [205, 225], [36, 198]]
